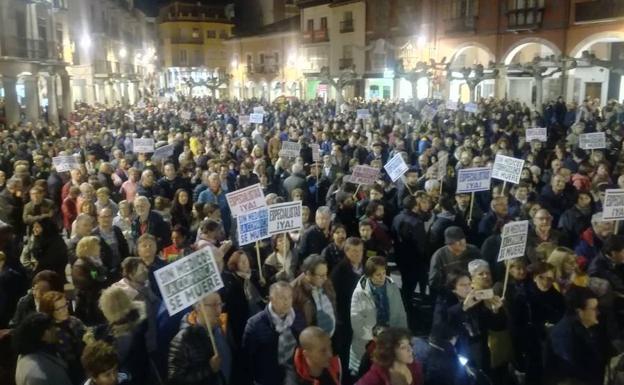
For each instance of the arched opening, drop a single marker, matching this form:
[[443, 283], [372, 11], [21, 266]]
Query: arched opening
[[467, 56]]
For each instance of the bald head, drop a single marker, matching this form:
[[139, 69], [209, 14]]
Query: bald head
[[311, 337]]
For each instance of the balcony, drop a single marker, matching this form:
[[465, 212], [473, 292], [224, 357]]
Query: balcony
[[315, 36], [345, 63], [525, 19], [187, 40], [33, 49], [103, 67], [461, 25], [346, 26], [598, 10], [262, 69]]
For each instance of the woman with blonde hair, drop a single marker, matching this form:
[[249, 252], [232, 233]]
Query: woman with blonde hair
[[90, 276], [567, 271]]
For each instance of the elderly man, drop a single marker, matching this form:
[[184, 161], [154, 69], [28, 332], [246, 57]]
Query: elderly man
[[171, 181], [314, 362], [592, 239], [496, 218], [38, 208], [541, 231], [554, 197], [316, 237], [147, 187], [454, 256], [296, 180], [215, 194], [270, 337], [150, 222]]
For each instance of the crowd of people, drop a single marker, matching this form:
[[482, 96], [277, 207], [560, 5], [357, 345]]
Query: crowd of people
[[393, 283]]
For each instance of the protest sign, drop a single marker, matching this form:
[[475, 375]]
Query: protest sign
[[65, 163], [290, 149], [471, 107], [256, 118], [142, 145], [187, 280], [258, 110], [507, 169], [316, 152], [396, 167], [592, 141], [443, 157], [473, 179], [363, 114], [613, 206], [365, 175], [246, 199], [284, 217], [451, 105], [513, 241], [252, 226], [163, 152], [538, 133]]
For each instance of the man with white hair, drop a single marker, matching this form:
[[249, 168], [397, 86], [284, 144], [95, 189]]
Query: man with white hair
[[296, 180], [592, 239], [150, 222]]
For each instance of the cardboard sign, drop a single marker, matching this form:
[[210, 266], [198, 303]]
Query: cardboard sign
[[507, 168], [258, 110], [187, 280], [396, 167], [243, 120], [253, 226], [246, 199], [65, 163], [471, 107], [613, 207], [538, 133], [316, 152], [363, 174], [363, 113], [163, 152], [257, 118], [142, 145], [513, 241], [284, 217], [290, 149], [473, 179], [592, 141]]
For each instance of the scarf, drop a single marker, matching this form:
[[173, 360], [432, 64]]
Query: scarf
[[325, 317], [286, 342], [251, 292], [382, 304]]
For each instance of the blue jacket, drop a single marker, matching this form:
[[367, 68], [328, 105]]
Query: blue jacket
[[208, 196], [260, 347]]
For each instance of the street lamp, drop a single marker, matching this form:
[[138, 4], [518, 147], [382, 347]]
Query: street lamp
[[123, 53], [85, 41]]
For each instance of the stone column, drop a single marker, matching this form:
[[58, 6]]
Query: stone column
[[11, 104], [32, 98], [67, 96], [53, 117], [500, 88]]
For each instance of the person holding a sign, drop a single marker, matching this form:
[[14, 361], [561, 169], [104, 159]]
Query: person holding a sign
[[192, 359]]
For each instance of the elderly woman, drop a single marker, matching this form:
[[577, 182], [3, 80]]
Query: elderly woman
[[70, 332], [376, 301], [90, 276], [45, 249]]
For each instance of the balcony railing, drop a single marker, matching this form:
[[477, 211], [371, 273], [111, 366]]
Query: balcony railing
[[187, 40], [461, 24], [315, 36], [103, 67], [33, 49], [598, 10], [346, 26], [262, 69], [525, 18], [345, 63]]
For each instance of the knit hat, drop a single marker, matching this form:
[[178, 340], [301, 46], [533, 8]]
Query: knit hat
[[477, 265], [453, 234]]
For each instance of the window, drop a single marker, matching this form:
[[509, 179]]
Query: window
[[211, 34], [463, 8], [348, 15], [346, 25], [524, 4], [195, 33], [310, 25], [323, 23], [183, 56], [223, 34]]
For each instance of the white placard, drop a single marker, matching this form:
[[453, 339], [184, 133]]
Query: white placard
[[538, 133], [163, 152], [513, 240], [252, 226], [473, 179], [316, 152], [243, 120], [613, 206], [363, 113], [257, 118], [507, 168], [471, 107], [592, 141], [365, 175], [142, 145], [258, 110], [451, 105], [284, 217], [187, 280], [443, 158], [246, 199], [65, 163], [396, 167], [290, 149]]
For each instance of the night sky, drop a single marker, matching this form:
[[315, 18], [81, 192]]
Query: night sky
[[150, 7]]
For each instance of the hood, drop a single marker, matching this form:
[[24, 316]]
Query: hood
[[588, 236], [303, 371]]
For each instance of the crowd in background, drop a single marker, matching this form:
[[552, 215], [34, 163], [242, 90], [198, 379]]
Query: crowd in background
[[384, 283]]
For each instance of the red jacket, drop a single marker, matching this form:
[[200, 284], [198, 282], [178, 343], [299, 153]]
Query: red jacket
[[378, 375], [69, 209], [301, 373]]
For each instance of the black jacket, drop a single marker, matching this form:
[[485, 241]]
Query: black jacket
[[411, 242], [156, 226], [313, 241], [189, 358], [604, 267], [344, 280]]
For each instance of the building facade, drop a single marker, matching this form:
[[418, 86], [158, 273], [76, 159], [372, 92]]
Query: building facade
[[113, 50], [191, 47], [34, 52]]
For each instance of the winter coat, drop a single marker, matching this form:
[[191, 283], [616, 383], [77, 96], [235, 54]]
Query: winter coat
[[13, 285], [573, 222], [364, 316], [533, 241], [588, 245], [189, 358], [443, 262], [25, 307], [303, 301], [273, 270], [442, 221], [411, 243], [378, 375], [89, 280], [237, 306], [299, 372], [605, 268], [332, 255], [344, 280], [156, 226], [41, 368], [313, 241]]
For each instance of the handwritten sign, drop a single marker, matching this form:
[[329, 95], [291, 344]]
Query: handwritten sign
[[65, 163], [284, 217], [613, 206], [252, 226], [507, 168], [396, 167], [471, 107], [246, 199], [187, 280], [592, 141], [257, 118], [365, 175], [290, 149], [316, 152], [163, 152], [513, 241], [473, 179], [142, 145], [451, 105], [258, 110], [538, 133], [363, 113]]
